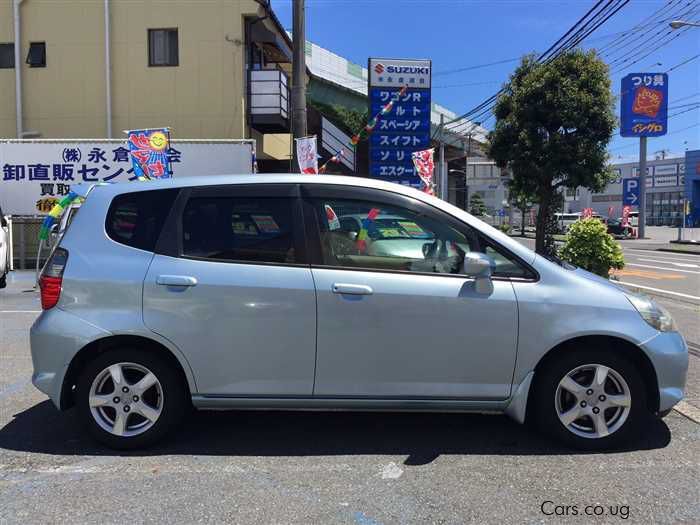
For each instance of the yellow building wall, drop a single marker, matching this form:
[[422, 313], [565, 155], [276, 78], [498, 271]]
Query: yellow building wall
[[7, 76], [202, 97]]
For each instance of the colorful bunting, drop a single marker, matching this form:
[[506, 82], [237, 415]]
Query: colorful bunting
[[361, 241], [373, 121], [335, 158], [55, 213]]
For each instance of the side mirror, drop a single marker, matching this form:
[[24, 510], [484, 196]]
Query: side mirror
[[479, 266]]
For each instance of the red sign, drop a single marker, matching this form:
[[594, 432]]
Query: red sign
[[625, 215]]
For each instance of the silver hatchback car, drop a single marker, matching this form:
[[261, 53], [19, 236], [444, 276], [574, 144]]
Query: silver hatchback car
[[245, 292]]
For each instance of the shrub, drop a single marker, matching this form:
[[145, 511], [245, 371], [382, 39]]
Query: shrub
[[505, 228], [589, 246]]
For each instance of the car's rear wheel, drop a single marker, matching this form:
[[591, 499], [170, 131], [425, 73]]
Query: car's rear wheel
[[130, 399], [3, 281], [592, 400]]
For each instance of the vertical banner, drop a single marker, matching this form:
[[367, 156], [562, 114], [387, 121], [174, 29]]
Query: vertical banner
[[406, 128], [611, 212], [425, 168], [307, 155], [148, 149], [587, 213], [644, 105], [625, 215]]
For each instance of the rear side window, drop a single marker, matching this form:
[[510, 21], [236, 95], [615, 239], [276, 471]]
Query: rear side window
[[136, 219], [244, 229]]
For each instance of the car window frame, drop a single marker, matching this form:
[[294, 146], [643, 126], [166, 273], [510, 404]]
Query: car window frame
[[171, 243], [310, 192]]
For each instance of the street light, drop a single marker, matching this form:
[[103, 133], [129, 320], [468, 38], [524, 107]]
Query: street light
[[677, 24]]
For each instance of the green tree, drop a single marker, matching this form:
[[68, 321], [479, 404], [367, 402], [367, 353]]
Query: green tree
[[477, 206], [349, 120], [522, 202], [553, 124], [590, 246]]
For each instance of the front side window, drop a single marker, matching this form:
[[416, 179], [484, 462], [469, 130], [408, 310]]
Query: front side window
[[136, 219], [163, 47], [373, 235], [242, 229], [361, 234]]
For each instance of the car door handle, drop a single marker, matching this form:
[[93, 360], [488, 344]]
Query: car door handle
[[352, 289], [176, 280]]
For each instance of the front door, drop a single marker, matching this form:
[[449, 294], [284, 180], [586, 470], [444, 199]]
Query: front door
[[395, 317], [232, 289]]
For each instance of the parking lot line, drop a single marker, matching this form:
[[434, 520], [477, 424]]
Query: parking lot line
[[20, 311], [687, 296], [666, 261], [663, 268], [656, 253]]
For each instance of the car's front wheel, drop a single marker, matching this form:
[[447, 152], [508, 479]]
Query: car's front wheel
[[130, 399], [592, 400]]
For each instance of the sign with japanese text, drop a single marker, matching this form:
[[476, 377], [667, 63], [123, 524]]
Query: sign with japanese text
[[34, 174], [644, 105], [406, 128], [149, 152]]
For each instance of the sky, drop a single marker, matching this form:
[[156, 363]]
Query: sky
[[458, 34]]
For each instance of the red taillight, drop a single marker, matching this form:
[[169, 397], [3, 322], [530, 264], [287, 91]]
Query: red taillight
[[52, 278]]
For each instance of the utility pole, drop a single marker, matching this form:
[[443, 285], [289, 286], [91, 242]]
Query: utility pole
[[443, 194], [298, 71], [642, 187]]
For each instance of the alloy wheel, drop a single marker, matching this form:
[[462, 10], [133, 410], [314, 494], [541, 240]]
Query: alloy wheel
[[126, 399], [592, 401]]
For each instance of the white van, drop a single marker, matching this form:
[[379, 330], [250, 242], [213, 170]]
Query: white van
[[4, 250], [565, 220]]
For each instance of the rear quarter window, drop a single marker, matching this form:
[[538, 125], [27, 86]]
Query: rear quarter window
[[136, 219]]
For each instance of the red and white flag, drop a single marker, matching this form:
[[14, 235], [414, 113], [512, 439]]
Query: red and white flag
[[425, 168], [307, 156]]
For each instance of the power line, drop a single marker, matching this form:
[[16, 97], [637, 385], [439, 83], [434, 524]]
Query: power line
[[580, 31], [683, 63], [470, 68], [635, 144]]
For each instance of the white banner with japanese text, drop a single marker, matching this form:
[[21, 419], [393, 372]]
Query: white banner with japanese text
[[36, 173]]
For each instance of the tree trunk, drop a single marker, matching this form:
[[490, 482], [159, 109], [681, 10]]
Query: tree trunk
[[541, 225]]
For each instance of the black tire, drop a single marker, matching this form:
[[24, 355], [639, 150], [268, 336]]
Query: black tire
[[544, 410], [175, 397], [3, 281]]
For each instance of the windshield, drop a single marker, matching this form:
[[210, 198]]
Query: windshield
[[396, 228]]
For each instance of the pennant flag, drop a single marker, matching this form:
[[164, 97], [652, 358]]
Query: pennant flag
[[307, 157], [55, 214], [335, 158], [425, 168], [149, 153]]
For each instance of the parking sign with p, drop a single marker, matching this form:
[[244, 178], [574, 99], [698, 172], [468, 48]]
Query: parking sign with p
[[630, 191]]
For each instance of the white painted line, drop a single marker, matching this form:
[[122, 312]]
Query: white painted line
[[662, 268], [392, 471], [681, 264], [688, 410], [660, 290], [657, 253], [20, 311]]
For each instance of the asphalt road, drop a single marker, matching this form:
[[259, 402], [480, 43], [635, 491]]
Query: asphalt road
[[653, 270], [327, 467]]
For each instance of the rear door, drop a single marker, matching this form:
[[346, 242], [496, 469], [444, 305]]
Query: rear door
[[231, 287]]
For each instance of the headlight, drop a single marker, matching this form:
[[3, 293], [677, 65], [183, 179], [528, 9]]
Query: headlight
[[653, 313]]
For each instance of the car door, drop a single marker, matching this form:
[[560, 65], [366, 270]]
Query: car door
[[231, 287], [395, 317]]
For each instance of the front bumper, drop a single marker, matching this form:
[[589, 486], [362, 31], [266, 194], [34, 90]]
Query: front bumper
[[669, 356], [55, 338]]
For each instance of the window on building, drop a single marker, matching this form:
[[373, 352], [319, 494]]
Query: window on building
[[163, 47], [37, 54], [7, 56]]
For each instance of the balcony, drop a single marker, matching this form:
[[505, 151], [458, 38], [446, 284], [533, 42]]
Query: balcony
[[268, 101]]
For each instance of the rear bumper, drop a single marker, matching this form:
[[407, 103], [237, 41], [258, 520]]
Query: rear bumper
[[669, 355], [55, 338]]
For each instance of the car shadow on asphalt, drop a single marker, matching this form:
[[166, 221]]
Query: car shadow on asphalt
[[420, 436]]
